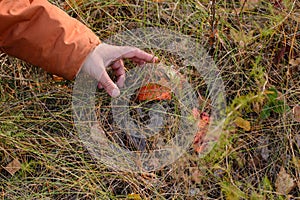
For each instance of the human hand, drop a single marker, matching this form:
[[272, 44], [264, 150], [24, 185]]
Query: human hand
[[105, 55]]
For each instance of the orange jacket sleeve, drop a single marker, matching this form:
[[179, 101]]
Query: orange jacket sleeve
[[43, 35]]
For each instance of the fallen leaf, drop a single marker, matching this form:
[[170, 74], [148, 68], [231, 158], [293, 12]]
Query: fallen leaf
[[242, 123], [134, 196], [153, 91], [57, 78], [203, 120], [284, 182], [13, 166], [296, 113], [195, 174], [294, 62]]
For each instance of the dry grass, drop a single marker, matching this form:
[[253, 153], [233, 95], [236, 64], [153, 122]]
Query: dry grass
[[252, 49]]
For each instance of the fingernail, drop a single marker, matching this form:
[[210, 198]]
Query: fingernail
[[115, 93]]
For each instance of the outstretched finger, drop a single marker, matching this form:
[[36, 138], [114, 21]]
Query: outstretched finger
[[140, 56]]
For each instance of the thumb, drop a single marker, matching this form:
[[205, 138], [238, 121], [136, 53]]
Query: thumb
[[110, 87]]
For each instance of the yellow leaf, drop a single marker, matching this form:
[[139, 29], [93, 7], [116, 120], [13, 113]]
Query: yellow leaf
[[242, 123], [296, 162], [284, 182], [13, 166], [134, 196]]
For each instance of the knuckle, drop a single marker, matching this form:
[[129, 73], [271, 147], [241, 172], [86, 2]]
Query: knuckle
[[133, 49], [108, 84]]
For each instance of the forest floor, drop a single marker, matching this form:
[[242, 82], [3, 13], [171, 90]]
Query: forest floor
[[255, 44]]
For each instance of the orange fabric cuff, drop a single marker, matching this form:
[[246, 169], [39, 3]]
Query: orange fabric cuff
[[43, 35]]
